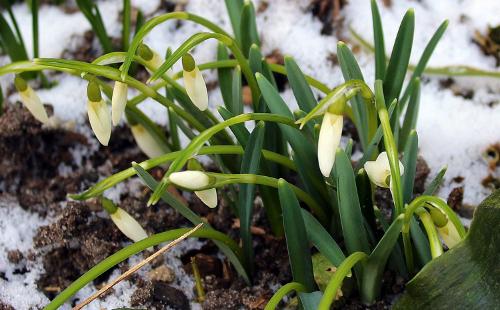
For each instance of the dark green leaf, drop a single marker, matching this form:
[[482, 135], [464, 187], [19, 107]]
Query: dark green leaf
[[249, 165], [410, 165], [234, 8], [126, 24], [400, 57], [436, 182], [468, 275], [237, 96], [239, 130], [296, 237], [310, 301], [255, 59], [378, 39], [411, 115], [248, 28], [301, 89], [224, 75]]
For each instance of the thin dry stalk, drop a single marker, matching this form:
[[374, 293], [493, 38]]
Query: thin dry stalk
[[136, 267]]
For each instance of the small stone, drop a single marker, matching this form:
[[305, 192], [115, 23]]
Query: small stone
[[15, 256], [166, 295], [162, 274]]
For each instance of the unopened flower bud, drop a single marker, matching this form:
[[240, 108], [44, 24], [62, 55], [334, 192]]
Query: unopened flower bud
[[118, 101], [146, 141], [31, 100], [124, 221], [196, 181], [328, 141], [98, 112], [194, 83]]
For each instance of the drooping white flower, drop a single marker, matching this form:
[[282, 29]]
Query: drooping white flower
[[118, 101], [152, 58], [379, 171], [194, 83], [145, 141], [196, 180], [31, 100], [128, 225], [449, 234], [328, 141], [99, 115]]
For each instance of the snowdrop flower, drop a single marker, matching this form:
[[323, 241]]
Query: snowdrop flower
[[196, 180], [124, 221], [329, 140], [153, 60], [98, 112], [118, 101], [31, 100], [446, 230], [194, 83], [146, 141], [379, 171]]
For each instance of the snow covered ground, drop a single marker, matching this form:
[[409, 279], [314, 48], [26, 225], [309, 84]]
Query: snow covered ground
[[452, 130]]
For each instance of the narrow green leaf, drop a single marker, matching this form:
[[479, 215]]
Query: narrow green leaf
[[126, 24], [234, 8], [378, 39], [255, 59], [351, 216], [400, 58], [296, 237], [364, 187], [248, 28], [173, 121], [34, 26], [237, 96], [301, 89], [11, 45], [224, 75], [249, 165], [424, 59], [436, 182], [322, 240], [91, 11], [374, 266], [310, 301], [168, 198], [410, 165], [411, 115]]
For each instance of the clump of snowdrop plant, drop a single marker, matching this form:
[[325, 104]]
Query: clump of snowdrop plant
[[331, 204]]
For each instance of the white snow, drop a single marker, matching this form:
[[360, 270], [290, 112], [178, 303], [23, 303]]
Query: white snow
[[453, 131]]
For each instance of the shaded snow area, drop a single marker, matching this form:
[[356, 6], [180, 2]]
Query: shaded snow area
[[453, 130]]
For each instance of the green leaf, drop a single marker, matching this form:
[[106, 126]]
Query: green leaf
[[234, 8], [351, 71], [126, 24], [322, 240], [301, 89], [296, 237], [249, 165], [436, 182], [11, 45], [355, 237], [468, 275], [400, 57], [255, 59], [303, 149], [410, 165], [34, 23], [91, 12], [224, 76], [310, 301], [237, 96], [378, 39], [422, 63], [411, 115], [168, 198], [374, 266], [248, 28]]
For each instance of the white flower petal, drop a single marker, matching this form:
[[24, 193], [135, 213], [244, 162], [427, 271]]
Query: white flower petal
[[146, 142], [449, 234], [192, 180], [33, 103], [328, 142], [100, 120], [118, 101], [196, 88], [128, 225], [379, 170], [208, 196]]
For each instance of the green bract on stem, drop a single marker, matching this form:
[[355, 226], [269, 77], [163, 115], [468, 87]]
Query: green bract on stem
[[195, 145]]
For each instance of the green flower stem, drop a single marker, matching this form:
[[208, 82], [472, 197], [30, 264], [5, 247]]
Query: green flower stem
[[152, 23], [116, 178], [133, 249], [282, 292], [225, 179], [446, 70], [229, 43], [432, 235], [198, 142], [418, 204], [335, 282], [390, 148]]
